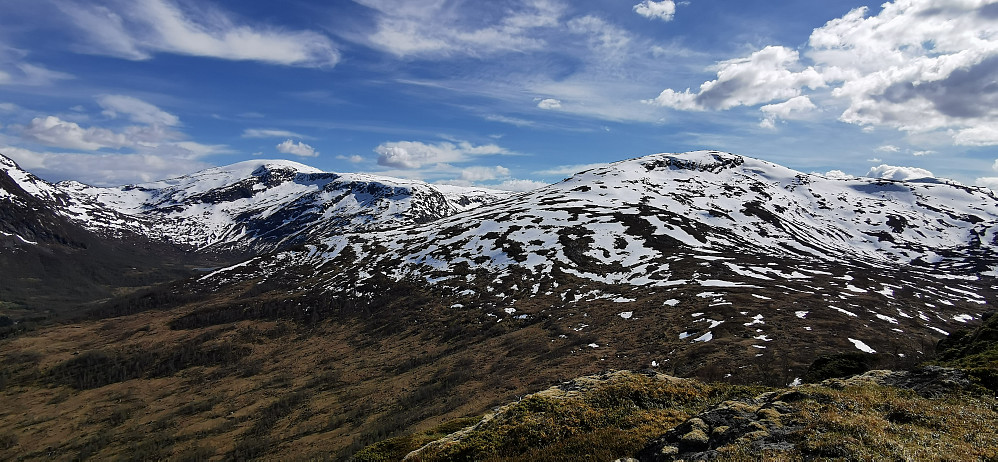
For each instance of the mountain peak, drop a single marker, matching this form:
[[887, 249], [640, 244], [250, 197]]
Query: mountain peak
[[7, 162]]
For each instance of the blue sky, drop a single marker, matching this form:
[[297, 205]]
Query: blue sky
[[506, 93]]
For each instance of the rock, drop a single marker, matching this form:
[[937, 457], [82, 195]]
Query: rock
[[927, 381], [759, 421]]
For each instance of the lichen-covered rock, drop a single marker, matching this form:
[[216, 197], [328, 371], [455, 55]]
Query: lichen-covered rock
[[762, 422], [927, 381]]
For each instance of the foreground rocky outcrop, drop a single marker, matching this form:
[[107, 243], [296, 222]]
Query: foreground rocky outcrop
[[928, 413]]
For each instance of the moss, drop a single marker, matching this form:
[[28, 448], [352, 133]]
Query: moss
[[974, 351]]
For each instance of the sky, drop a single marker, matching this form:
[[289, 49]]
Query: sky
[[509, 94]]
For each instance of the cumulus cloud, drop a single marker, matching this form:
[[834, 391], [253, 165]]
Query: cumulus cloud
[[270, 133], [916, 65], [136, 110], [891, 172], [837, 175], [445, 27], [664, 10], [299, 149], [549, 103], [888, 148], [138, 29], [789, 109], [766, 75], [415, 154], [987, 182]]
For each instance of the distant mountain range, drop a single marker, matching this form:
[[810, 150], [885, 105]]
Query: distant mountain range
[[717, 248], [216, 215], [678, 232]]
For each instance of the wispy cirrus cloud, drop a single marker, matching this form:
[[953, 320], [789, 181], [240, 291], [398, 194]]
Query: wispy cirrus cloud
[[425, 28], [271, 133], [136, 110], [139, 29]]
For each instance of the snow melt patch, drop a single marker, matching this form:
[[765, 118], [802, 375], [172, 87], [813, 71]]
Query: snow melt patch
[[705, 337], [862, 346], [963, 318], [801, 314], [626, 314]]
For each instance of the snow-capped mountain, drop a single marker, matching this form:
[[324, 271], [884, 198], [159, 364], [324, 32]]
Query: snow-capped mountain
[[694, 240], [252, 206], [624, 223]]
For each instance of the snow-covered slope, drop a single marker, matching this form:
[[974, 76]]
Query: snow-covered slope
[[682, 222], [254, 205], [624, 223], [702, 261]]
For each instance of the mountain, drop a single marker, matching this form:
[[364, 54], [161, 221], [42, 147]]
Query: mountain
[[49, 263], [204, 219], [735, 257], [269, 204]]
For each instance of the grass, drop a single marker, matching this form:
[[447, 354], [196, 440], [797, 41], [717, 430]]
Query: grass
[[605, 420]]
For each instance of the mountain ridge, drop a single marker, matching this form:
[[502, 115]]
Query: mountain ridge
[[252, 206]]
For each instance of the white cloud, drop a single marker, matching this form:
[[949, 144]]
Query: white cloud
[[480, 173], [444, 27], [549, 103], [610, 41], [136, 110], [923, 153], [918, 66], [509, 120], [792, 108], [892, 172], [415, 154], [664, 10], [15, 71], [298, 149], [837, 175], [982, 135], [987, 182], [103, 169], [570, 169], [766, 75], [270, 133], [138, 29], [53, 131], [888, 148], [520, 185]]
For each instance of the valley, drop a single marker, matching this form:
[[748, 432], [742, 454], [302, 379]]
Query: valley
[[340, 310]]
